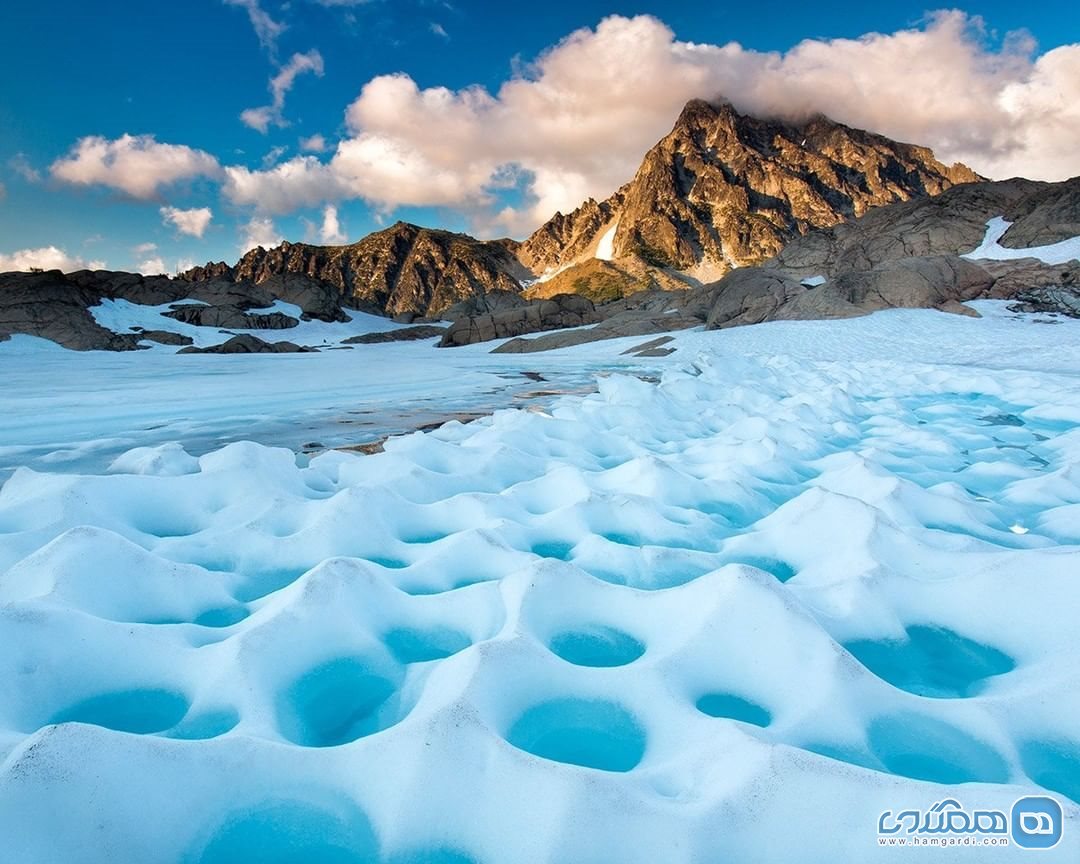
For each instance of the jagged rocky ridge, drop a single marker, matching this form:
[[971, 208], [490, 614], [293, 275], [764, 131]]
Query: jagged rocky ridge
[[724, 189], [403, 270]]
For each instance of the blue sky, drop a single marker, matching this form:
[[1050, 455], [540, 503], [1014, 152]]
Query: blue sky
[[463, 158]]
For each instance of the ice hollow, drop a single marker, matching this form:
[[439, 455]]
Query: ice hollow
[[337, 702], [733, 707], [924, 748], [932, 661], [292, 832], [593, 734], [140, 711], [596, 645]]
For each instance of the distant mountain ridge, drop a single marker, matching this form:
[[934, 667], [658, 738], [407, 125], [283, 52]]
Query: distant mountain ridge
[[721, 190]]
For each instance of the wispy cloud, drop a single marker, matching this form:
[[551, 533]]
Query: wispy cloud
[[267, 30], [273, 155], [437, 28], [21, 166], [273, 114]]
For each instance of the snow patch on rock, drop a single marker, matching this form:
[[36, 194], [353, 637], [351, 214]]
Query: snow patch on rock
[[605, 249], [992, 250]]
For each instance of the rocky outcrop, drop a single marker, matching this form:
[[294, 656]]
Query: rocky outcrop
[[229, 317], [53, 305], [747, 296], [723, 189], [639, 323], [641, 314], [912, 283], [606, 281], [1037, 287], [1014, 277], [56, 306], [404, 334], [1048, 299], [755, 295], [248, 344], [565, 310], [950, 224], [485, 304], [1049, 214], [403, 269], [567, 238], [163, 337], [907, 255]]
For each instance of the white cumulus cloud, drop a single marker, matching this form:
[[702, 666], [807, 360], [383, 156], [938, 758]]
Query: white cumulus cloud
[[152, 266], [192, 222], [260, 231], [137, 165], [331, 231], [313, 144], [46, 258], [302, 181]]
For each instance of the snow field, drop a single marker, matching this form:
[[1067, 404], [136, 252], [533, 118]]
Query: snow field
[[732, 616]]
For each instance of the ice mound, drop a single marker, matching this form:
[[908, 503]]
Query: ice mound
[[732, 616]]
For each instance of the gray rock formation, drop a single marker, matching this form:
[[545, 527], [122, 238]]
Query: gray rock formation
[[229, 317], [949, 224], [56, 306], [565, 310], [760, 294], [616, 327], [248, 344], [403, 269], [641, 314], [1047, 215], [404, 334], [485, 304]]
